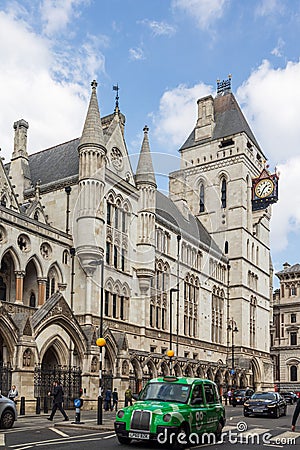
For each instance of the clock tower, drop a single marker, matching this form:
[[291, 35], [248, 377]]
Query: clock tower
[[223, 179]]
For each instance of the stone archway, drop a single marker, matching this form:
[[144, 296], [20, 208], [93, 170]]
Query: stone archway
[[50, 370]]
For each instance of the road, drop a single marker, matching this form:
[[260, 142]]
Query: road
[[258, 432]]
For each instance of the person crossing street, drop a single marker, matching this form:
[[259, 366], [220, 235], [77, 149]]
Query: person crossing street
[[58, 398]]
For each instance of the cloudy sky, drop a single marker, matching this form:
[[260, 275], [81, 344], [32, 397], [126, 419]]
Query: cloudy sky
[[164, 55]]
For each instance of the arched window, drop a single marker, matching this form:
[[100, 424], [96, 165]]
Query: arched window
[[226, 247], [32, 300], [293, 373], [223, 193], [202, 207], [2, 290]]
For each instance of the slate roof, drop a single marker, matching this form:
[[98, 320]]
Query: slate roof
[[193, 228], [229, 120], [290, 270]]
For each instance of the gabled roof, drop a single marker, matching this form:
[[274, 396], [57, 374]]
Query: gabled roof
[[229, 120], [189, 229]]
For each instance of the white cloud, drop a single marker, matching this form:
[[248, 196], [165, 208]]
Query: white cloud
[[277, 51], [159, 28], [269, 7], [42, 86], [271, 101], [136, 54], [205, 12], [286, 213], [57, 14], [177, 114]]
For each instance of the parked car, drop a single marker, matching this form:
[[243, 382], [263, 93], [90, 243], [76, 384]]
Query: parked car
[[170, 406], [239, 396], [265, 403], [8, 412], [290, 397]]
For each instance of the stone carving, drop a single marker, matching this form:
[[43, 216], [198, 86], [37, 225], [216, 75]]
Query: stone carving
[[27, 358]]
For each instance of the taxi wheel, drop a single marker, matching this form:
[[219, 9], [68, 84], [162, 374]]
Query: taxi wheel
[[277, 413], [218, 432], [124, 440], [183, 429]]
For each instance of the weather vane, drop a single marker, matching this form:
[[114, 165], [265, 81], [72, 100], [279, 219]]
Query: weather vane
[[116, 88], [223, 87]]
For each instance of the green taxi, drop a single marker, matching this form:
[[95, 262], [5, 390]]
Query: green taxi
[[173, 411]]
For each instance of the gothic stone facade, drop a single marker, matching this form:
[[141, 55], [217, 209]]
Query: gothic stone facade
[[201, 251], [285, 339]]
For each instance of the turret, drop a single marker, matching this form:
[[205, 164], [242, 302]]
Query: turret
[[89, 233], [19, 167], [146, 184]]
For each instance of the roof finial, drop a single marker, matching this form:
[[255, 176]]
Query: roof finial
[[116, 88], [224, 87], [146, 129], [94, 84]]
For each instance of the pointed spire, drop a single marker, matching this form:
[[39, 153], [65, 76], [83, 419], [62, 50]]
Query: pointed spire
[[145, 171], [92, 133]]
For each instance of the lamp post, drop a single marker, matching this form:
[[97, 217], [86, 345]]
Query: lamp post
[[170, 352], [100, 342], [232, 326]]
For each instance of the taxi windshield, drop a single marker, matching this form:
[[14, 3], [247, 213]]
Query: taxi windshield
[[166, 392]]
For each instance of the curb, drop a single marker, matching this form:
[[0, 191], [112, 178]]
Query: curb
[[85, 426]]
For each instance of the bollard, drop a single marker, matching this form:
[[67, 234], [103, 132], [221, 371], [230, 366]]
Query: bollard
[[22, 406], [38, 405], [45, 405], [78, 402]]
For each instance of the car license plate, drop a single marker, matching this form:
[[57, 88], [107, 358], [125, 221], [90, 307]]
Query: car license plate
[[135, 435], [258, 409]]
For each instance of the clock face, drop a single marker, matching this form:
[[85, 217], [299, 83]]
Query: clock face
[[264, 188]]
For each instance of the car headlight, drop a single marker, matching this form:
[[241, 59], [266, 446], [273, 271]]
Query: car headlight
[[272, 405], [120, 413], [167, 417]]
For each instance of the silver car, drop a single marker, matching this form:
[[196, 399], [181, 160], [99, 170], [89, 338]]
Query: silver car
[[8, 412]]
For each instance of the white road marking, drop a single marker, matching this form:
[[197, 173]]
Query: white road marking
[[109, 437], [57, 440], [2, 440], [61, 433]]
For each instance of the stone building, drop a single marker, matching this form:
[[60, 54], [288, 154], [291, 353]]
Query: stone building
[[285, 337], [77, 225]]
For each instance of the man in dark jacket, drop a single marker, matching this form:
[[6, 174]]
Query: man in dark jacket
[[58, 398], [296, 414]]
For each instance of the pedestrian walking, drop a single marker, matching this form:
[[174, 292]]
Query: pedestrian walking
[[58, 398], [296, 414], [107, 400], [13, 393], [128, 396], [115, 399]]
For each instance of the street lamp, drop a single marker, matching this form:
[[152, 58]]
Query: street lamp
[[100, 342], [234, 329], [170, 352]]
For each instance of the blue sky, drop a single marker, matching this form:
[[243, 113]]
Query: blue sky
[[164, 54]]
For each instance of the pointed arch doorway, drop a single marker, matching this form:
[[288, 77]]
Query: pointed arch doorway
[[50, 370]]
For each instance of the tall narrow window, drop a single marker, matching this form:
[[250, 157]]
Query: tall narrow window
[[226, 248], [123, 221], [223, 193], [115, 256], [114, 306], [32, 300], [106, 303], [293, 372], [201, 198], [293, 338], [108, 213], [122, 307], [116, 218], [123, 260], [108, 251]]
